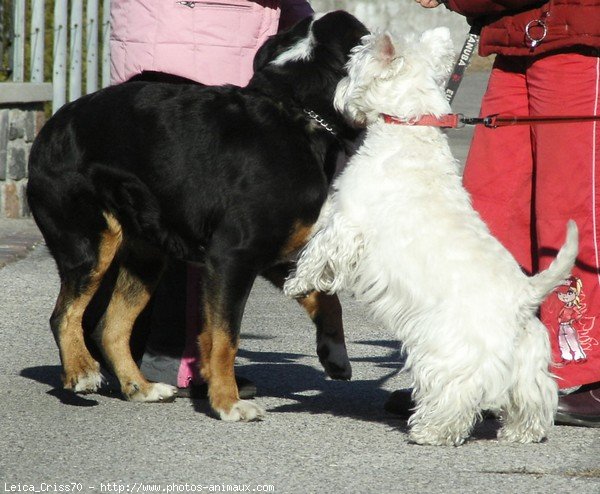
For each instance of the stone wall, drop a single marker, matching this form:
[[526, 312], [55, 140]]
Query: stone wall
[[19, 124], [21, 117]]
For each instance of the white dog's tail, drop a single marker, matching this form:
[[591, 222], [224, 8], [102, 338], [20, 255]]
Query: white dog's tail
[[543, 283]]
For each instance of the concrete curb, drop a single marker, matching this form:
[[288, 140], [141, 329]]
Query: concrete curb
[[18, 237]]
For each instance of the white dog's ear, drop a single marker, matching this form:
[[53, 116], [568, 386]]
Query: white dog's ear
[[387, 54], [439, 46], [385, 49]]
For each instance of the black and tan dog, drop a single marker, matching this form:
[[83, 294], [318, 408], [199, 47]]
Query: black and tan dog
[[229, 178]]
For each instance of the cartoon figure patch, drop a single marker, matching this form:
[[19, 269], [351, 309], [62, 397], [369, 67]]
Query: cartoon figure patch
[[573, 326]]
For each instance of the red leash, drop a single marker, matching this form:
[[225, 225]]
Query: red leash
[[458, 120]]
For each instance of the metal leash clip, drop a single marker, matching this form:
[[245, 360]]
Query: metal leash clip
[[536, 23]]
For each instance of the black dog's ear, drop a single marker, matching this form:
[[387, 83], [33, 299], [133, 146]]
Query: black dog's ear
[[340, 28], [280, 42], [265, 53]]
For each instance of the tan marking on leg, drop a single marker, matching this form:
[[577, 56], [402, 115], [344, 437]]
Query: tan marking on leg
[[129, 298], [218, 363], [223, 392], [218, 353], [205, 346], [311, 304], [297, 239], [77, 362], [76, 359], [210, 321], [112, 238]]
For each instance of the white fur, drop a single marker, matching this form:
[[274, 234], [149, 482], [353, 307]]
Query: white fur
[[302, 50], [242, 411], [400, 233], [89, 383], [157, 392]]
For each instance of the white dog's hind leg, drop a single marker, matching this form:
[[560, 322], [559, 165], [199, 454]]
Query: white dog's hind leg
[[444, 415], [430, 430], [533, 399]]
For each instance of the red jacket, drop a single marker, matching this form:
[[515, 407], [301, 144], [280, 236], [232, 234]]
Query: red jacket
[[569, 23]]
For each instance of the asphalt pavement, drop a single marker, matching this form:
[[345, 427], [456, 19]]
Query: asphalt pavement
[[319, 435]]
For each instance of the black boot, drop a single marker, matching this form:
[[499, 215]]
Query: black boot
[[581, 408], [400, 403]]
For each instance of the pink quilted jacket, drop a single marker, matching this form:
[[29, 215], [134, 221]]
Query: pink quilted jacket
[[211, 41]]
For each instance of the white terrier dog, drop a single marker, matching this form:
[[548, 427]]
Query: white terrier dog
[[400, 233]]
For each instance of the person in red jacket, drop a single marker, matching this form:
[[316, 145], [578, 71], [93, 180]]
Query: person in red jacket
[[526, 182]]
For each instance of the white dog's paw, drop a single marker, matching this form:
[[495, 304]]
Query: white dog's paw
[[88, 383], [334, 359], [242, 411], [523, 436], [154, 392], [296, 288], [435, 439], [427, 431]]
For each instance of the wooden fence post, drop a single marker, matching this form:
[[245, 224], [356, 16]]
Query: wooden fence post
[[91, 78], [76, 32], [37, 40], [18, 51], [2, 37], [105, 43], [59, 69]]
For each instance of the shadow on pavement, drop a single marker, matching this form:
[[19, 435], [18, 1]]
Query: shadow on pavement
[[278, 375], [51, 376]]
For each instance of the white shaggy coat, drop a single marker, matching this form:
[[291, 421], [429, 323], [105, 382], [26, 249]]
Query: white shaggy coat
[[400, 233]]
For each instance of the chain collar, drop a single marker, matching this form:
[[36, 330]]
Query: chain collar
[[315, 116]]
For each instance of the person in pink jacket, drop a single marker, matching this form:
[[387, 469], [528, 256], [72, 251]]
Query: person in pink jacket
[[208, 41], [212, 42]]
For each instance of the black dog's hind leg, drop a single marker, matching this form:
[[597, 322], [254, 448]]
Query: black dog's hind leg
[[326, 313], [79, 283], [139, 272]]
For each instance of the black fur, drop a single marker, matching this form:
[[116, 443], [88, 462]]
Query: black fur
[[220, 176]]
